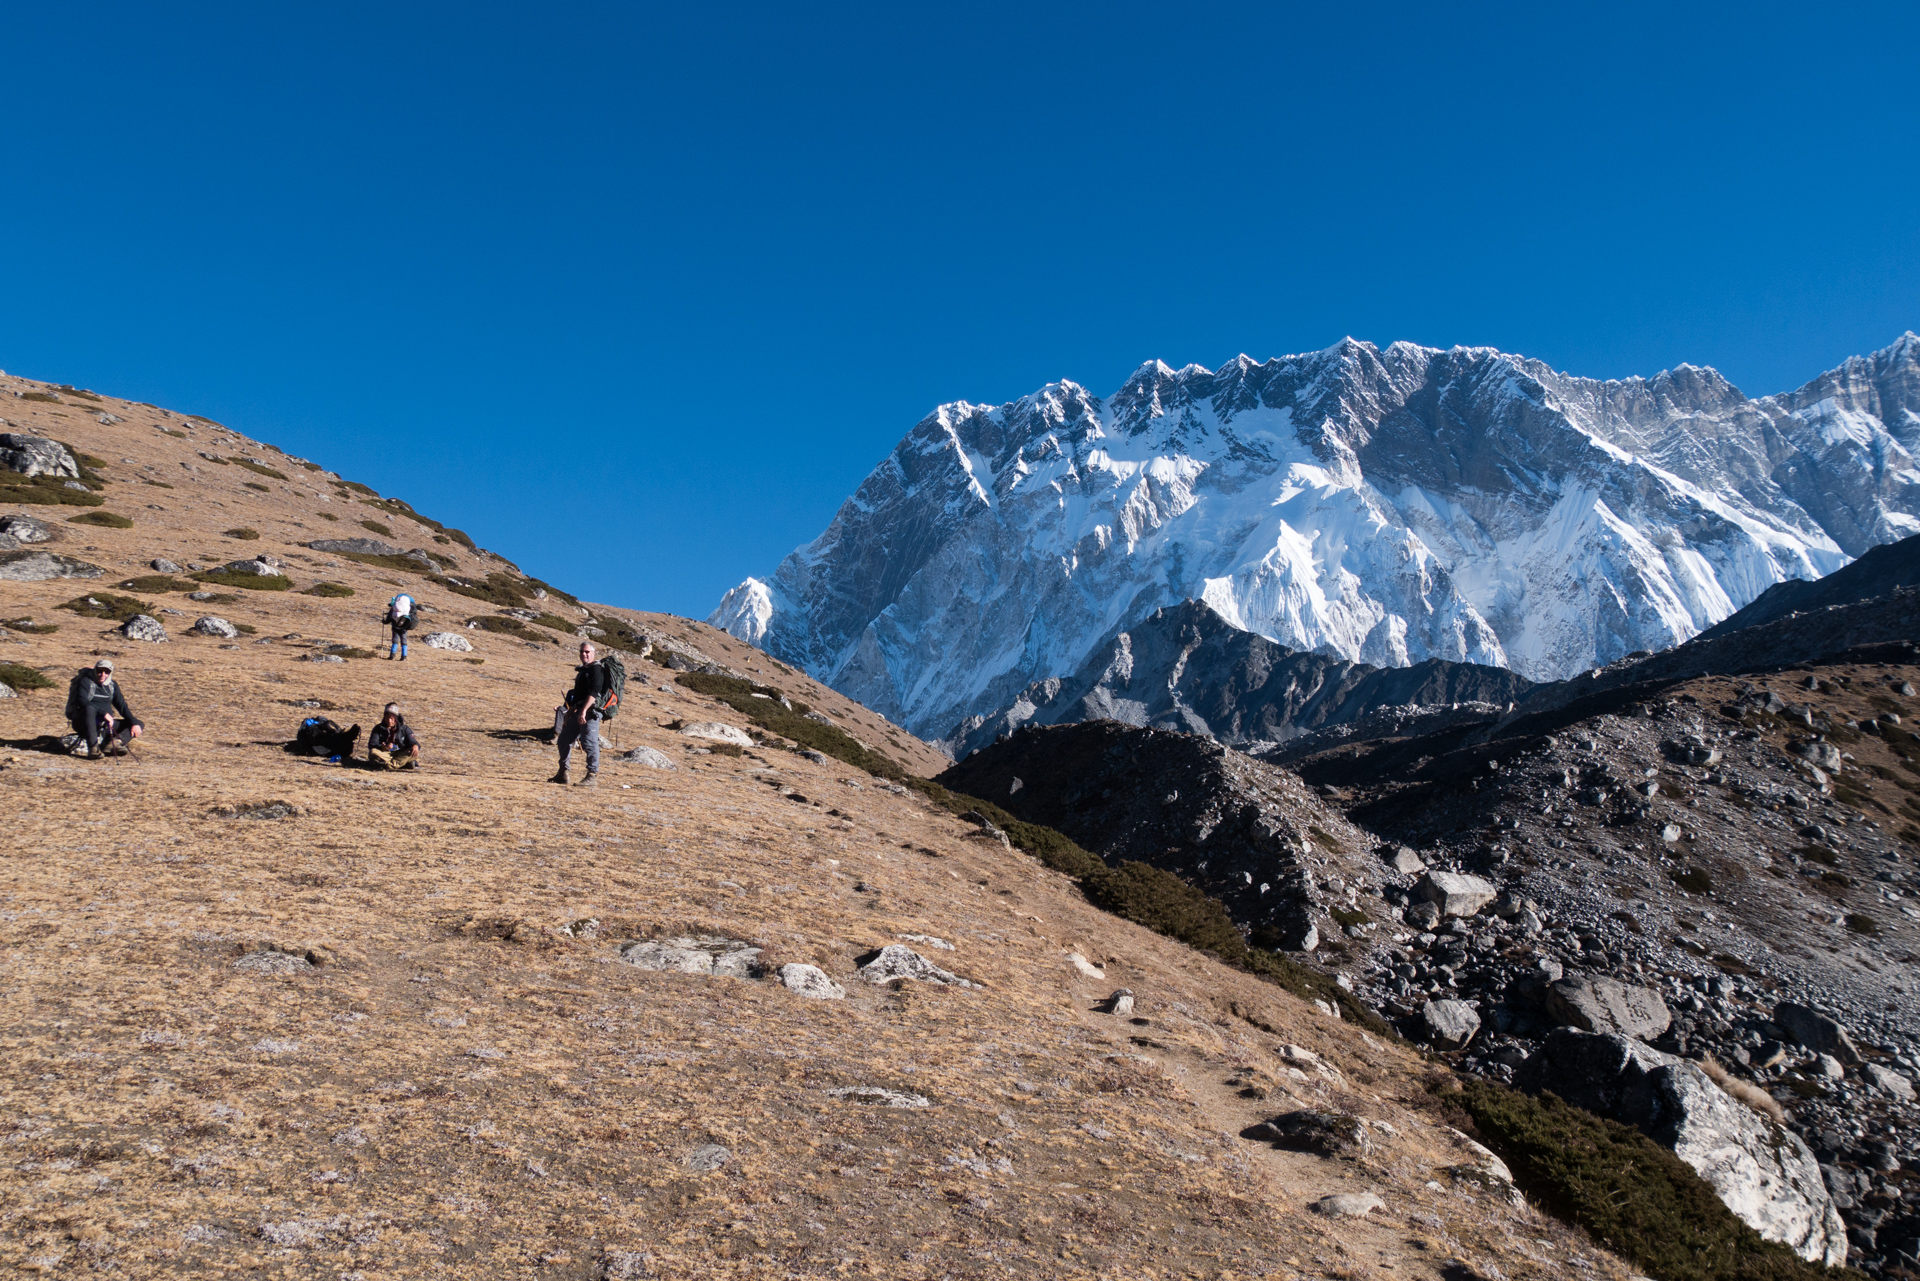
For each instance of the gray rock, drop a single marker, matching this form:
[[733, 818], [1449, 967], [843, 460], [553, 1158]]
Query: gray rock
[[897, 961], [7, 691], [264, 566], [40, 567], [1604, 1005], [817, 757], [1455, 893], [810, 981], [1821, 755], [715, 731], [1888, 1081], [1315, 1130], [354, 546], [1404, 861], [1816, 1031], [1764, 1174], [1450, 1024], [1422, 915], [270, 961], [647, 756], [1347, 1205], [34, 456], [1828, 1066], [879, 1096], [143, 627], [161, 565], [1120, 1003], [26, 529], [8, 543], [706, 954], [212, 626], [707, 1157], [321, 658], [200, 596], [1671, 833], [447, 640]]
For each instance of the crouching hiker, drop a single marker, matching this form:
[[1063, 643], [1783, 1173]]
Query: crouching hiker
[[97, 710], [597, 686], [392, 743]]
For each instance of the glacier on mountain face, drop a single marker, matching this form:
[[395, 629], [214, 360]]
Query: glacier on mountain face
[[1382, 506]]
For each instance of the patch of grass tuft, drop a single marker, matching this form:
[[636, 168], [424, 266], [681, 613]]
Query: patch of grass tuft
[[328, 589], [246, 533], [44, 491], [358, 488], [327, 516], [251, 582], [22, 678], [1324, 840], [106, 520], [1693, 880], [497, 589], [259, 469], [153, 583], [1861, 923], [106, 605], [503, 625], [1632, 1195], [254, 484], [385, 531], [26, 624]]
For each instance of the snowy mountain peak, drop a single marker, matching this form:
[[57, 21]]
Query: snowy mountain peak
[[1381, 506]]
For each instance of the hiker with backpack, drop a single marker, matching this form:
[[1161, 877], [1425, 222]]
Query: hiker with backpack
[[399, 617], [97, 710], [392, 743], [595, 696]]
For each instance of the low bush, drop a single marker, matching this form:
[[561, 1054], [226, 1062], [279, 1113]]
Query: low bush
[[328, 589], [1861, 923], [45, 491], [503, 625], [385, 531], [496, 589], [246, 533], [177, 435], [351, 651], [546, 587], [1693, 880], [246, 629], [327, 516], [254, 484], [259, 469], [792, 723], [106, 605], [1630, 1194], [358, 488], [251, 582], [106, 520], [153, 583], [82, 393], [22, 678], [26, 624], [555, 622]]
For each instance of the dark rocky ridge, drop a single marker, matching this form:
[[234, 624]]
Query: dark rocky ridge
[[1186, 668], [1880, 572]]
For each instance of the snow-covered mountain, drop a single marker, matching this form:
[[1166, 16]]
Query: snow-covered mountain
[[1380, 506]]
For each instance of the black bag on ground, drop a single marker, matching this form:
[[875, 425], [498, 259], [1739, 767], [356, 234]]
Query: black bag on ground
[[319, 736]]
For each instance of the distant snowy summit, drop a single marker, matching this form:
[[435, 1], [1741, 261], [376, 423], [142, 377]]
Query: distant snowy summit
[[1383, 507]]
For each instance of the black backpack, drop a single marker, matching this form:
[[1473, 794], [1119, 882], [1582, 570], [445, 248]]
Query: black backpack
[[616, 684]]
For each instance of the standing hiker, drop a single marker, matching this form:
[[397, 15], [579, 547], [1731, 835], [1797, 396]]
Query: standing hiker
[[392, 743], [399, 617], [595, 696], [97, 710]]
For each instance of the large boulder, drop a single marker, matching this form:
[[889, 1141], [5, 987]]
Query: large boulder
[[896, 961], [39, 567], [705, 954], [26, 529], [33, 456], [212, 625], [1816, 1031], [1764, 1173], [1604, 1005], [1455, 893], [354, 547], [1450, 1024], [717, 732], [143, 627], [447, 640]]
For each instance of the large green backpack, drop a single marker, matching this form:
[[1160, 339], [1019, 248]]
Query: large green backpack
[[616, 685]]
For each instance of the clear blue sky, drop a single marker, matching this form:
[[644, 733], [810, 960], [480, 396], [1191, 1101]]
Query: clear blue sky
[[636, 295]]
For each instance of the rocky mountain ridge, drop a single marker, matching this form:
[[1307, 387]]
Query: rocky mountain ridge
[[1383, 506]]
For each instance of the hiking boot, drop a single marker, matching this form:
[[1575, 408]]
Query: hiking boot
[[592, 779], [116, 749], [94, 754], [560, 777]]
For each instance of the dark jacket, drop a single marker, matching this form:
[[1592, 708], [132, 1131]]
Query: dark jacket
[[87, 697], [398, 742], [589, 683]]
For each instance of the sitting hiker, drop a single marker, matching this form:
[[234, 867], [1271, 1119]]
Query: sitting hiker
[[399, 620], [392, 743], [579, 717], [319, 736], [97, 710]]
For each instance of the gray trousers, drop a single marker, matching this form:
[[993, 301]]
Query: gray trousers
[[567, 729]]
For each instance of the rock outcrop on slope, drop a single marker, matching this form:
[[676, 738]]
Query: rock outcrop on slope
[[1186, 668], [1382, 506]]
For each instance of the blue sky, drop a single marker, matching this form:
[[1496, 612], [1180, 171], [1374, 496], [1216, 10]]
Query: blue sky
[[637, 295]]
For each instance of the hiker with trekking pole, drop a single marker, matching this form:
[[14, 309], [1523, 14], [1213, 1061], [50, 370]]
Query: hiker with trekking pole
[[97, 710], [598, 684], [399, 619]]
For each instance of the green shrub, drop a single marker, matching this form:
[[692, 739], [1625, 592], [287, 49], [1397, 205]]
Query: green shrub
[[106, 520], [82, 393], [218, 461], [177, 435], [45, 491], [357, 487], [254, 484], [153, 583], [555, 622], [328, 589], [503, 625], [497, 589], [769, 714], [202, 418], [251, 582], [1693, 880], [22, 678], [1630, 1194], [385, 531], [258, 469], [157, 484], [26, 624], [106, 605], [1860, 923], [548, 588], [42, 397], [246, 629], [351, 651], [246, 533], [327, 516]]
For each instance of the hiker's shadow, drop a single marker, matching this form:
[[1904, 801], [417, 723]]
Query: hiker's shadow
[[542, 735], [48, 743]]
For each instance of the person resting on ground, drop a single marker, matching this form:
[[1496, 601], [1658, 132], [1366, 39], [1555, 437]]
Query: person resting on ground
[[97, 710], [392, 743]]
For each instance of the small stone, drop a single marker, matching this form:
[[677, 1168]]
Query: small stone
[[322, 658], [896, 961], [161, 565], [1086, 967], [144, 627], [879, 1096], [717, 732], [1347, 1205], [1670, 833], [649, 757], [1454, 893], [1121, 1002], [447, 640], [1403, 860], [1888, 1081], [1828, 1066], [810, 981], [7, 691], [707, 1157], [1450, 1024], [269, 961], [212, 626]]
